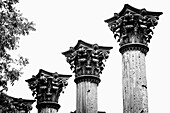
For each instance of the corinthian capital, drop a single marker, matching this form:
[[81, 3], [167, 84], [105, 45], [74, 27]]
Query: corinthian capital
[[9, 104], [87, 59], [133, 25], [47, 86]]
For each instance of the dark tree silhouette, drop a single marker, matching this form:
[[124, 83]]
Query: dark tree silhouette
[[12, 26]]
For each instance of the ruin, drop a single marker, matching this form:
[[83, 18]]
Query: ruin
[[87, 62], [133, 27]]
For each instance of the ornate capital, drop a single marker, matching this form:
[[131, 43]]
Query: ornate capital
[[133, 25], [47, 86], [87, 59], [10, 104]]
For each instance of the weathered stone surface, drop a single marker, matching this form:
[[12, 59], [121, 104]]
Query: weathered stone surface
[[135, 98], [86, 97], [87, 62], [133, 27], [48, 110]]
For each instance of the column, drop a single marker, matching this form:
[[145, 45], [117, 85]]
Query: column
[[133, 27], [86, 61], [46, 88]]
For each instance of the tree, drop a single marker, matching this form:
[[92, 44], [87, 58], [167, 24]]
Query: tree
[[12, 26]]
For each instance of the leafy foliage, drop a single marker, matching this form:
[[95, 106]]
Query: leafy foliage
[[12, 25]]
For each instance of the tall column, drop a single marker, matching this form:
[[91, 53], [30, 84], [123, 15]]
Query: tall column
[[86, 60], [47, 88], [133, 27]]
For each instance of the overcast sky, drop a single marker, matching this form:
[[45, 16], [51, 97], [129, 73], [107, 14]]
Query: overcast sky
[[61, 23]]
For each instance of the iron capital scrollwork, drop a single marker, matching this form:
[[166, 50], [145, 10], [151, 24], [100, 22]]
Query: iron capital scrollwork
[[46, 86], [87, 59], [133, 25]]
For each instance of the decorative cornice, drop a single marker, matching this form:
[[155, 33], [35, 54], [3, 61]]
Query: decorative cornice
[[87, 59], [47, 104], [128, 7], [132, 47], [87, 78], [133, 25], [85, 44]]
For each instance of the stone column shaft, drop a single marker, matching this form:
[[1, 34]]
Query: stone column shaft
[[135, 98], [48, 110], [86, 97], [133, 27], [87, 62]]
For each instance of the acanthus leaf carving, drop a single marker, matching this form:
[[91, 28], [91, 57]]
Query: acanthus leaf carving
[[133, 25], [47, 88], [86, 60]]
